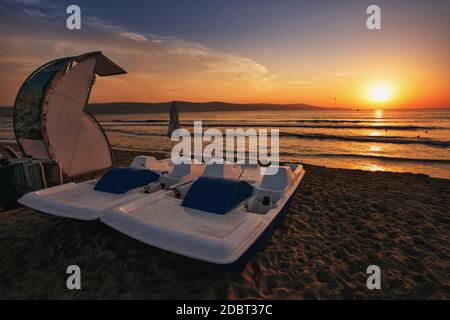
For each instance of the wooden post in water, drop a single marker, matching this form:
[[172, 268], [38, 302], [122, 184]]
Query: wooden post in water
[[174, 121]]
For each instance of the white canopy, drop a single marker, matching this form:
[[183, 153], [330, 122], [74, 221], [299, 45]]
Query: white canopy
[[50, 119]]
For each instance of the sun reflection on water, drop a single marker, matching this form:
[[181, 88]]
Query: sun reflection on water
[[378, 114], [375, 148], [373, 167]]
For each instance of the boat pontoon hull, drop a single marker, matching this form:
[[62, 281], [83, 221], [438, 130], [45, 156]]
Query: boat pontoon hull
[[264, 237], [82, 201], [228, 240]]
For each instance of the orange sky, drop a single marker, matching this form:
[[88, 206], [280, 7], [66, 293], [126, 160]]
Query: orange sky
[[328, 59]]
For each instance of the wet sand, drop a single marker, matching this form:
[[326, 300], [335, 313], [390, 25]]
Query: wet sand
[[340, 222]]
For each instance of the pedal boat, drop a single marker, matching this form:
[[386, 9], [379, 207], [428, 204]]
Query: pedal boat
[[90, 199], [223, 217]]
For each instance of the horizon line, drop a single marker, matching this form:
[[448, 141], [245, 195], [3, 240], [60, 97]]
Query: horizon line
[[293, 105]]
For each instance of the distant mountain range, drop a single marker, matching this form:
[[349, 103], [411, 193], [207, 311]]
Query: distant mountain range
[[183, 106]]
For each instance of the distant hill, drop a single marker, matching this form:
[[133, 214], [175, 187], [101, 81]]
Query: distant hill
[[183, 106]]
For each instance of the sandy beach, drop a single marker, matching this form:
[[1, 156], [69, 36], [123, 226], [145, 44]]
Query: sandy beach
[[341, 221]]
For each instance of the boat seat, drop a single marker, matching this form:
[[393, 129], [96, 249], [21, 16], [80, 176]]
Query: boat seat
[[270, 190], [216, 195], [179, 171], [279, 181], [149, 162], [217, 170], [122, 180], [264, 200], [140, 162]]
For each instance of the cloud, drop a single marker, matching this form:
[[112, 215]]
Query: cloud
[[134, 36], [29, 2], [159, 67], [299, 83], [344, 74], [35, 13], [34, 3], [99, 23]]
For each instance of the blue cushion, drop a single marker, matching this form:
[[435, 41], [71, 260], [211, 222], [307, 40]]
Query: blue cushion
[[121, 180], [217, 195]]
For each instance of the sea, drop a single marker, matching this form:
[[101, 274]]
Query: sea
[[415, 141]]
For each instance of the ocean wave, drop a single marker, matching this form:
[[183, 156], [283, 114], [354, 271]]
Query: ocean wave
[[373, 157], [380, 139], [280, 126], [135, 120], [318, 136], [375, 127], [133, 124], [338, 121], [371, 119], [136, 132]]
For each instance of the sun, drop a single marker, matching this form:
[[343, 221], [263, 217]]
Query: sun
[[380, 93]]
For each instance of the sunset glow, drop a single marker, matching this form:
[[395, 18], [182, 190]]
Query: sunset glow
[[286, 54]]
